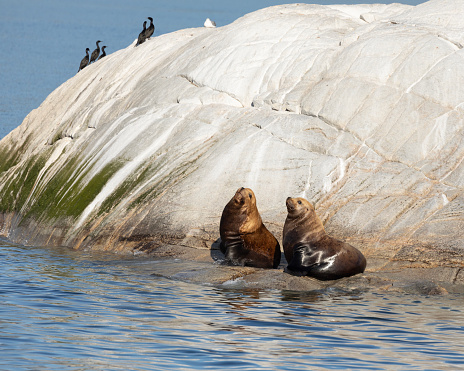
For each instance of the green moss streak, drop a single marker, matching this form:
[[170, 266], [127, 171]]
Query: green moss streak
[[33, 169], [17, 190], [7, 199], [164, 182], [67, 193], [83, 197], [140, 176], [51, 204], [9, 157], [126, 187], [63, 195]]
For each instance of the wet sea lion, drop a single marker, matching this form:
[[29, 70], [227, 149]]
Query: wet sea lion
[[244, 238], [310, 251]]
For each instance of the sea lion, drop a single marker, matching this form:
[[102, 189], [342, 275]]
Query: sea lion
[[244, 238], [310, 251]]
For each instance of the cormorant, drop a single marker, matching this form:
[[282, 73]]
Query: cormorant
[[85, 60], [141, 38], [95, 53], [103, 54], [149, 31]]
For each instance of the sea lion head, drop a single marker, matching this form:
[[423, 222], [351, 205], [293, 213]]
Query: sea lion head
[[297, 207], [245, 201], [302, 224], [244, 198]]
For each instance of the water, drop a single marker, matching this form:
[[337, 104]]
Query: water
[[63, 309], [43, 42]]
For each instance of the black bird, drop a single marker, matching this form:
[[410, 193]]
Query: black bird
[[103, 54], [141, 38], [149, 31], [95, 53], [85, 60]]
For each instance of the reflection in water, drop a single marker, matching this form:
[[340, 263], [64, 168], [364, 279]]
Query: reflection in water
[[76, 310]]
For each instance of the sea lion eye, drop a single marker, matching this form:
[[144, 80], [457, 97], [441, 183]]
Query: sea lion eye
[[249, 194], [299, 202]]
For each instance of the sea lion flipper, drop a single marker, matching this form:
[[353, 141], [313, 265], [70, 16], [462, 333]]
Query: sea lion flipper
[[277, 255], [234, 252], [222, 247], [303, 259], [237, 253]]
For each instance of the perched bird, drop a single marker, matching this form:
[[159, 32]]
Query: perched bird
[[85, 60], [209, 23], [103, 54], [95, 53], [141, 38], [149, 31]]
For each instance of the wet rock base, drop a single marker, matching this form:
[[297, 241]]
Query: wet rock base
[[202, 266]]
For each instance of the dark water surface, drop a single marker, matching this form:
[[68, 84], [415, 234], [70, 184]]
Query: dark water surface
[[73, 310]]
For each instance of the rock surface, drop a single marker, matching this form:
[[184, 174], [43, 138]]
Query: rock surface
[[357, 108]]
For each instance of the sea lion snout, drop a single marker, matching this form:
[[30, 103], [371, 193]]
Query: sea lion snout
[[239, 198], [290, 205]]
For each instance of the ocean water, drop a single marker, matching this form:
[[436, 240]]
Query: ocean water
[[42, 42], [74, 310]]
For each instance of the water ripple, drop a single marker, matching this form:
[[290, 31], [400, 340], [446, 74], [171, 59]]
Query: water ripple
[[63, 309]]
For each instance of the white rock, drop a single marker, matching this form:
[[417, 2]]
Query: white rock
[[357, 108]]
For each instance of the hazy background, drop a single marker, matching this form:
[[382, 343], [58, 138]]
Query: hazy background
[[43, 41]]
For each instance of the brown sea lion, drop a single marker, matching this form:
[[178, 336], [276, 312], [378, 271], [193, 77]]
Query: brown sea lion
[[244, 238], [310, 251]]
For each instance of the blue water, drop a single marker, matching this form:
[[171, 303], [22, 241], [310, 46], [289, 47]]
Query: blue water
[[74, 310], [42, 42]]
